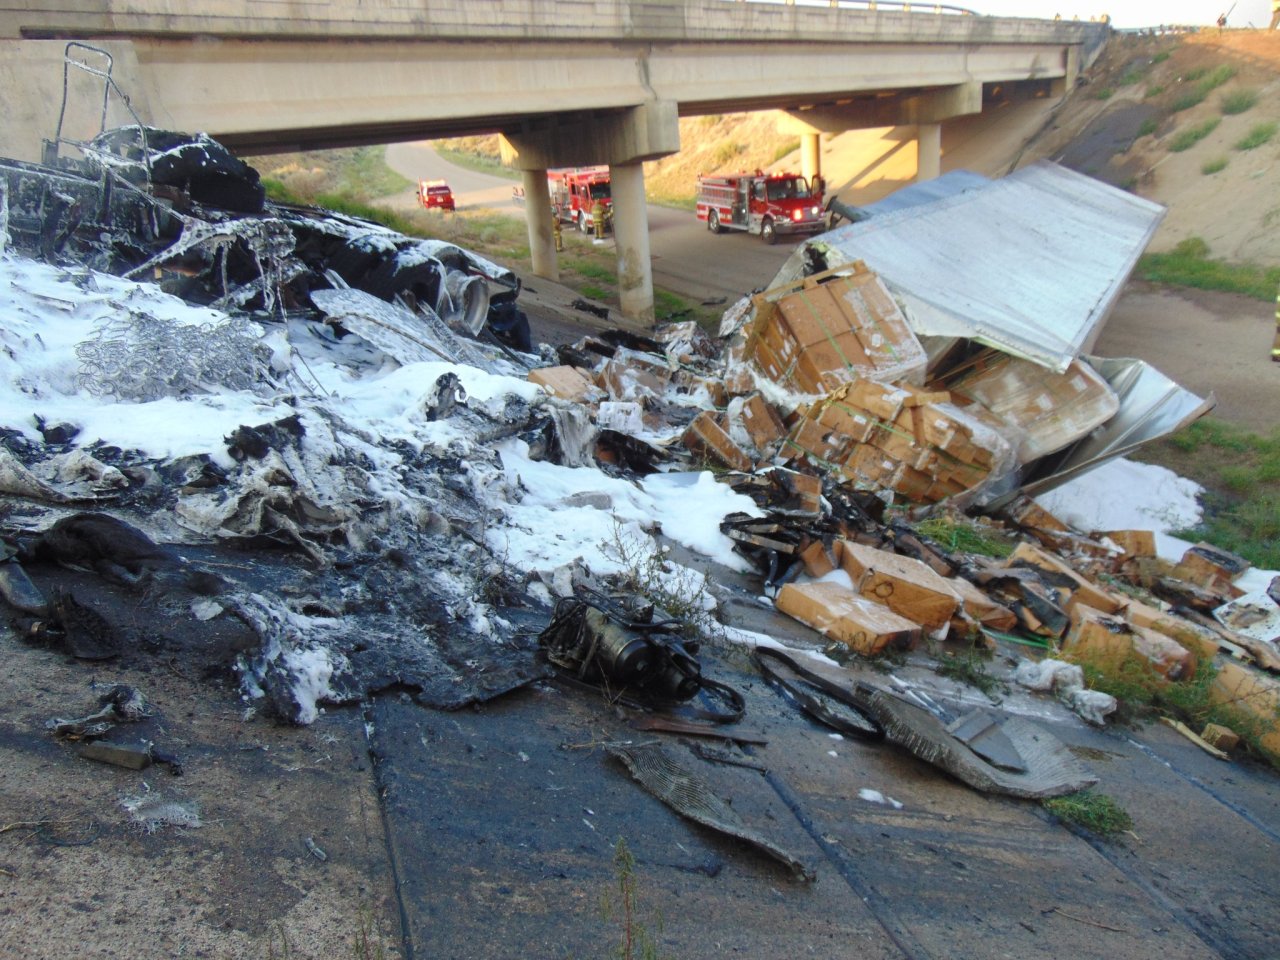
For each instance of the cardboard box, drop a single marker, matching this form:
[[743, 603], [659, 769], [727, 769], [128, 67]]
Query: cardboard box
[[1076, 589], [835, 611], [1221, 737], [987, 612], [868, 466], [881, 400], [635, 375], [1107, 637], [810, 440], [905, 585], [1201, 641], [706, 438], [1208, 566], [831, 328], [1049, 410], [858, 425], [761, 420], [1134, 543], [1025, 512], [567, 383], [818, 559], [1253, 693]]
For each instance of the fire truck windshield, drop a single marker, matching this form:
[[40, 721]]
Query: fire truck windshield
[[789, 188], [599, 191]]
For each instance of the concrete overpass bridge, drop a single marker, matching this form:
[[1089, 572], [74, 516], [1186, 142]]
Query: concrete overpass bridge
[[565, 82]]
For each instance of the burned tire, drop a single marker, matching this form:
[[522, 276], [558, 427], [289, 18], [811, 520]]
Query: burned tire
[[767, 232], [713, 221]]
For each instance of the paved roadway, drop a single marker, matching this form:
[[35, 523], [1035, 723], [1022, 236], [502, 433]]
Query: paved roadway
[[687, 260]]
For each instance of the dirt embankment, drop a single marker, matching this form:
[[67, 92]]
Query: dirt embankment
[[1134, 120]]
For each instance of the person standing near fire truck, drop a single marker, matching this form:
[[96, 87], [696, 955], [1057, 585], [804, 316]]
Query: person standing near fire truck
[[1275, 344], [597, 219]]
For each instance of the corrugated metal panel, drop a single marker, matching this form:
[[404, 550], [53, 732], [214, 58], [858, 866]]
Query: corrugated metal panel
[[939, 188], [1031, 264]]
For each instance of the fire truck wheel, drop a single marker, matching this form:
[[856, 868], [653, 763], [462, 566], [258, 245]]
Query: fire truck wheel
[[584, 224], [767, 232], [713, 221]]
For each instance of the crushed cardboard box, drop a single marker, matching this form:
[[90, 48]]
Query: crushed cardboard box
[[830, 328], [867, 627]]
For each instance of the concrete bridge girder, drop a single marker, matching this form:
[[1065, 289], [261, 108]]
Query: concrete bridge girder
[[925, 110]]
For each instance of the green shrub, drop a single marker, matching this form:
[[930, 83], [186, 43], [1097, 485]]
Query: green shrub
[[1149, 126], [1188, 265], [1186, 100], [1154, 90], [1096, 812], [1160, 57], [1258, 135], [1238, 101], [1216, 165], [1103, 94], [784, 149], [726, 152], [1188, 138]]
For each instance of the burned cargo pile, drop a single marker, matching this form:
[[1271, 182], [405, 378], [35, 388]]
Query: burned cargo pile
[[361, 486]]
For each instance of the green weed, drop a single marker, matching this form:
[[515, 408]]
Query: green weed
[[1148, 127], [1096, 812], [681, 592], [970, 667], [959, 534], [1188, 265], [1258, 135], [1188, 138], [636, 942], [1238, 101], [1186, 100], [595, 293], [1131, 77], [726, 151], [791, 146], [592, 270], [1154, 90], [1103, 93], [1161, 57], [1216, 165], [366, 944], [480, 162]]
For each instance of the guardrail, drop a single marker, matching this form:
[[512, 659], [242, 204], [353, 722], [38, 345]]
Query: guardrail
[[897, 6]]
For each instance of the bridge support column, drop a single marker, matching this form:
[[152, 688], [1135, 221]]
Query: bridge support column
[[928, 151], [537, 209], [631, 237], [624, 140], [810, 156]]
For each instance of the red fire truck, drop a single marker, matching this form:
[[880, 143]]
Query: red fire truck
[[574, 192], [768, 204]]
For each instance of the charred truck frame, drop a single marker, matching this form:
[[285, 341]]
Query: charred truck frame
[[766, 205]]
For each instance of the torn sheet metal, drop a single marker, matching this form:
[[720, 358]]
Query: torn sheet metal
[[1151, 406], [1030, 264], [692, 797], [1051, 770]]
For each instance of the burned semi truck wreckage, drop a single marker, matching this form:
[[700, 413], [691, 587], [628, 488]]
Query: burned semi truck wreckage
[[303, 461]]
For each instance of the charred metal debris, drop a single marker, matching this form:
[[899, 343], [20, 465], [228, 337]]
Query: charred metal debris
[[817, 403]]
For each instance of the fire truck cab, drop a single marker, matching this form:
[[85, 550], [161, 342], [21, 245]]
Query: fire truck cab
[[768, 205], [574, 193]]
